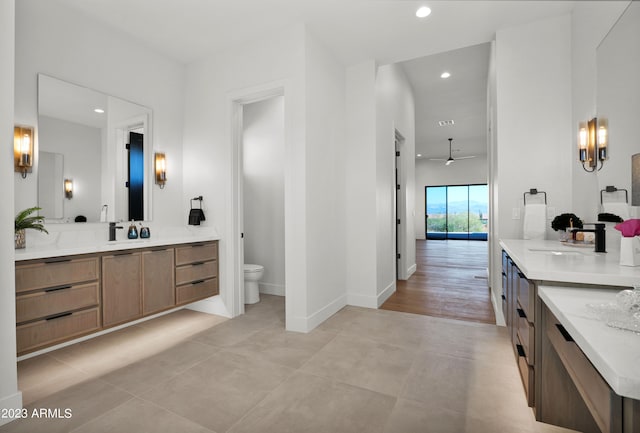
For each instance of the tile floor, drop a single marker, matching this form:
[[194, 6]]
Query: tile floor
[[361, 371]]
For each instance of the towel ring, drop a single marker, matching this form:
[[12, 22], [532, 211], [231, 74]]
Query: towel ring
[[612, 189], [534, 191]]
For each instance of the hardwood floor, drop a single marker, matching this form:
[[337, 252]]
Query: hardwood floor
[[450, 281]]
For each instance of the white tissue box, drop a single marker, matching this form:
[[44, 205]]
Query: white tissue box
[[630, 251]]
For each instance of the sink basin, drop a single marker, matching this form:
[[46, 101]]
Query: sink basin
[[555, 252]]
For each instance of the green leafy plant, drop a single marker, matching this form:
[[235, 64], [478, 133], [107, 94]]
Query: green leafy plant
[[562, 221], [25, 221]]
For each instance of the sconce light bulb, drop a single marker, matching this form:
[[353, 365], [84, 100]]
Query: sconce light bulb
[[602, 136], [583, 138]]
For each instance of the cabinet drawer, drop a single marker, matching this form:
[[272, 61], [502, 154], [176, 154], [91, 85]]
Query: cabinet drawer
[[197, 290], [46, 332], [56, 272], [199, 271], [526, 293], [54, 301], [196, 253], [526, 335], [527, 374], [605, 405]]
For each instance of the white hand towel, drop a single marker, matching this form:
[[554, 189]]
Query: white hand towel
[[619, 208], [535, 221]]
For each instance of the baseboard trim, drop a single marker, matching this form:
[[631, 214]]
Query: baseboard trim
[[13, 401], [307, 324], [412, 270], [497, 310], [384, 295], [272, 289], [367, 301]]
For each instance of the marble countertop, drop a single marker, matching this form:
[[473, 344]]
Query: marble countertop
[[615, 353], [92, 238], [548, 260]]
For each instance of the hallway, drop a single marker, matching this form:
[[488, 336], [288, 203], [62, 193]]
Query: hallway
[[450, 281]]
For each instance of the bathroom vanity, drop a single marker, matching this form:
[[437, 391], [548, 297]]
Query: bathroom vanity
[[61, 296], [528, 267]]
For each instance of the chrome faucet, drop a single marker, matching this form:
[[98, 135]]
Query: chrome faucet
[[112, 231], [600, 237]]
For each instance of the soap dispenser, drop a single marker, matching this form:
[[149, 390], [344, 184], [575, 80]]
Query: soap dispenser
[[145, 233], [132, 233]]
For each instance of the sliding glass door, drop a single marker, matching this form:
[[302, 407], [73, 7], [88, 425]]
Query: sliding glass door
[[456, 212]]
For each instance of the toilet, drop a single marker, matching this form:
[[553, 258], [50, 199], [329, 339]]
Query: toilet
[[252, 274]]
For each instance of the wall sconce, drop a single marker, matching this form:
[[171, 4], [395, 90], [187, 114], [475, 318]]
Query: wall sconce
[[592, 143], [161, 169], [68, 188], [22, 149]]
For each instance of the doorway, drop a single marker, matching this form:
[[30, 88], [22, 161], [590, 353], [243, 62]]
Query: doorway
[[241, 107], [263, 191]]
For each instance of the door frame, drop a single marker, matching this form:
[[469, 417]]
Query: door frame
[[235, 303]]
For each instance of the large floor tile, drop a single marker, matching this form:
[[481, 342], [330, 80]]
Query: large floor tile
[[306, 403], [85, 402], [217, 392], [137, 416], [143, 375], [235, 331], [44, 375], [283, 347], [362, 362]]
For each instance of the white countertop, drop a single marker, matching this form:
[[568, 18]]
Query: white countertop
[[615, 353], [92, 238], [548, 260]]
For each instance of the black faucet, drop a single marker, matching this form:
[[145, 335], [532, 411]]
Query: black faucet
[[600, 238], [112, 231]]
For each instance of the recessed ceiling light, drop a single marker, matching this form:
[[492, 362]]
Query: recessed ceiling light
[[98, 110], [445, 75], [419, 155], [445, 122], [423, 12]]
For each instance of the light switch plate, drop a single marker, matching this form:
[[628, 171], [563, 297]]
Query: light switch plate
[[515, 213]]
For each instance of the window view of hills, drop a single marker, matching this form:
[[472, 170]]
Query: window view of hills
[[457, 212]]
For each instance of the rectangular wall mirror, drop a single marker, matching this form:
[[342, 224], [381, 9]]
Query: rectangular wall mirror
[[90, 131]]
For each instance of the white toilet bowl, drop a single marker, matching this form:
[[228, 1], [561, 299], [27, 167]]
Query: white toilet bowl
[[252, 274]]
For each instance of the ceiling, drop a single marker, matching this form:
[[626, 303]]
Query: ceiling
[[454, 37]]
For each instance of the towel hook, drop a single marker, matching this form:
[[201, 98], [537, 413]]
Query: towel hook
[[534, 191]]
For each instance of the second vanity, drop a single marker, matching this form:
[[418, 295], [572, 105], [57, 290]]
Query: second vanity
[[544, 284], [63, 293]]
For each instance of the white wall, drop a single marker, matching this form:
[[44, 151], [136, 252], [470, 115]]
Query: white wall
[[10, 397], [263, 190], [68, 45], [325, 174], [428, 173], [361, 206], [209, 166], [534, 129], [394, 111], [66, 138], [589, 24]]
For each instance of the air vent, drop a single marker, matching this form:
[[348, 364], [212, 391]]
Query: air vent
[[445, 122]]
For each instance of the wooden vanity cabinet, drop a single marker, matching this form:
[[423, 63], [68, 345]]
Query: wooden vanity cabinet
[[62, 298], [575, 396], [519, 304], [121, 288], [158, 288], [57, 299], [196, 272]]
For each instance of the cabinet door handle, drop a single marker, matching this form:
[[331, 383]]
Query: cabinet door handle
[[52, 261], [57, 316], [521, 313], [520, 350], [197, 263], [504, 297], [197, 282], [521, 275], [122, 254], [565, 334], [55, 289]]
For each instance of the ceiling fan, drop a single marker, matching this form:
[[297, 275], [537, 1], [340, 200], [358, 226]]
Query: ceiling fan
[[450, 159]]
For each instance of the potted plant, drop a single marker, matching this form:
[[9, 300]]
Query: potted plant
[[24, 221]]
